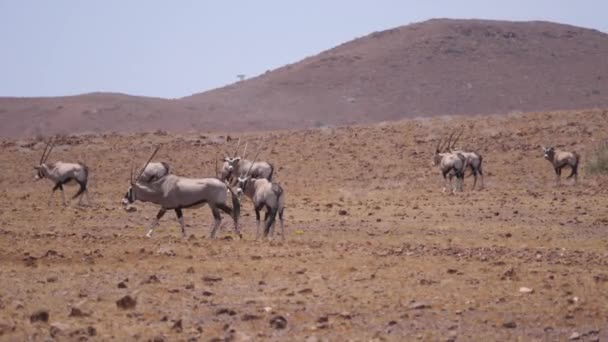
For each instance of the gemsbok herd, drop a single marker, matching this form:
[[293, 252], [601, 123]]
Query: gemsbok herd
[[253, 179]]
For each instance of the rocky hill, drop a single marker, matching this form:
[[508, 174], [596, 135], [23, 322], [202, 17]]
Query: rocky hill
[[436, 67]]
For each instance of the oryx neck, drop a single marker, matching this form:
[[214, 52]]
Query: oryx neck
[[144, 192]]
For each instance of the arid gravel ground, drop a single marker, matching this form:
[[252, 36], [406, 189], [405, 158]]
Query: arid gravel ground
[[374, 250]]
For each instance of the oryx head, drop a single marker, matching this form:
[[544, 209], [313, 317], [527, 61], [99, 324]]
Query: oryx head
[[130, 196], [548, 152], [41, 168], [441, 148], [231, 163], [244, 181]]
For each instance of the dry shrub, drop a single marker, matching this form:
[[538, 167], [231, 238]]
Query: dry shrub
[[598, 160]]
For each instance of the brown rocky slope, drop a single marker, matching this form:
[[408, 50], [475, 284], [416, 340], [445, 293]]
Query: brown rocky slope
[[435, 67]]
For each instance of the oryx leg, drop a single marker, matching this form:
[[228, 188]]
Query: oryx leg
[[451, 187], [282, 225], [574, 173], [558, 173], [480, 171], [81, 191], [217, 218], [154, 224], [266, 215], [223, 207], [88, 198], [460, 181], [59, 186], [180, 219], [445, 181], [257, 220], [272, 214], [474, 171]]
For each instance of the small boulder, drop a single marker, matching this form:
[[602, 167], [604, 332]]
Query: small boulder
[[40, 316], [278, 322], [127, 302]]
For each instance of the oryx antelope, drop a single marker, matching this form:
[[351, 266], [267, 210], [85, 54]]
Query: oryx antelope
[[176, 193], [235, 167], [154, 171], [62, 174], [474, 161], [450, 164], [264, 194], [560, 159]]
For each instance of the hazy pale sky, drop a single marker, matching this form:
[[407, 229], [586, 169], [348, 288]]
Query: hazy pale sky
[[176, 48]]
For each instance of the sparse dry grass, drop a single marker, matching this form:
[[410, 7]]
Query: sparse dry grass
[[598, 160], [405, 262]]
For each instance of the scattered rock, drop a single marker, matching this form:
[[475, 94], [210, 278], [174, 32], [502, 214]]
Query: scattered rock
[[30, 261], [212, 279], [419, 306], [509, 325], [525, 290], [40, 316], [122, 285], [153, 279], [76, 312], [190, 270], [225, 311], [342, 212], [127, 302], [207, 293], [249, 317], [57, 329], [278, 322], [509, 275], [575, 336], [177, 326], [600, 278]]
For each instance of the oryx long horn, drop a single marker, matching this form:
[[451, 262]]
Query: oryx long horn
[[217, 152], [449, 140], [245, 150], [237, 147], [44, 152], [437, 148], [148, 162], [49, 152], [253, 161], [455, 140]]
